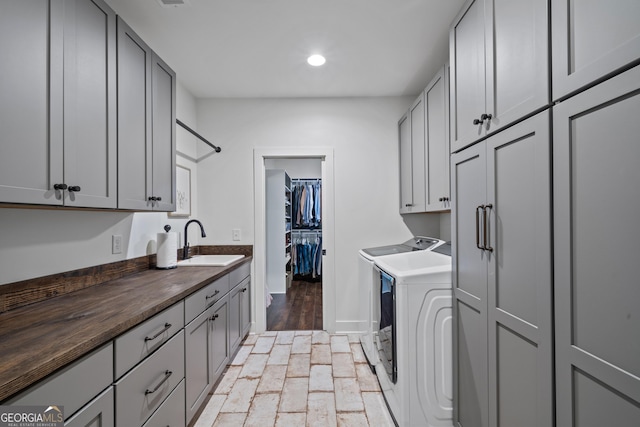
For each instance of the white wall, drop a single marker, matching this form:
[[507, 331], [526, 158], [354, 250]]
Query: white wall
[[363, 135], [38, 242]]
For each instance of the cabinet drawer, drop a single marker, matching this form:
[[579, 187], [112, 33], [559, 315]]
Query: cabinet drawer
[[133, 346], [237, 275], [74, 385], [171, 412], [140, 392], [205, 298], [98, 413]]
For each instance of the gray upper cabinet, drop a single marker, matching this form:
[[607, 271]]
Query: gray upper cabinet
[[163, 94], [412, 167], [499, 66], [90, 104], [503, 345], [595, 158], [146, 126], [58, 96], [423, 134], [436, 119], [592, 41]]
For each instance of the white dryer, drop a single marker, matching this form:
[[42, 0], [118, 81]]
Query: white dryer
[[368, 282], [414, 340]]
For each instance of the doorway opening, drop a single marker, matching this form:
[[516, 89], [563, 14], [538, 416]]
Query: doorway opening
[[299, 291], [294, 243]]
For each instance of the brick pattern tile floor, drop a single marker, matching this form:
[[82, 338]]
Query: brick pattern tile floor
[[297, 378]]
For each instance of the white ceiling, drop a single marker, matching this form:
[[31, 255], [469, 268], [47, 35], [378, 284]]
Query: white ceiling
[[258, 48]]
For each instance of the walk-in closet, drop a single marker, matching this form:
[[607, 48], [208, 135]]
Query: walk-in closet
[[294, 244]]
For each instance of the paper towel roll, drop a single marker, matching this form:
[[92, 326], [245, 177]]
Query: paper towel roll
[[167, 250]]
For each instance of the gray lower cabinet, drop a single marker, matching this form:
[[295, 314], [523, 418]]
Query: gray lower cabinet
[[172, 412], [245, 308], [58, 105], [502, 280], [146, 126], [219, 337], [97, 413], [198, 372], [137, 344], [592, 40], [163, 370], [595, 160], [81, 382], [143, 389], [217, 320], [239, 322]]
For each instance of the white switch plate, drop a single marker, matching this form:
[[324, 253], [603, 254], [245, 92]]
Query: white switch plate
[[235, 233], [116, 244]]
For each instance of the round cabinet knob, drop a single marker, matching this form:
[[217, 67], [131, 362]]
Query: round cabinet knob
[[59, 186], [158, 198], [441, 199], [152, 198], [74, 188], [477, 122], [485, 117]]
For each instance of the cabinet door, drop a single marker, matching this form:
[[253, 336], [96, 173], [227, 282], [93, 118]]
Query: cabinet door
[[467, 57], [235, 311], [412, 159], [406, 185], [134, 120], [98, 413], [517, 59], [31, 36], [597, 316], [436, 103], [198, 373], [164, 135], [519, 282], [218, 337], [90, 104], [469, 269], [592, 40], [245, 307]]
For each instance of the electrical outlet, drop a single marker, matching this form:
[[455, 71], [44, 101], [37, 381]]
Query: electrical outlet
[[235, 233], [116, 244]]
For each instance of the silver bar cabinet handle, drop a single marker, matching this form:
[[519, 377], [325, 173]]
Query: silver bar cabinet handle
[[167, 374], [485, 226], [166, 328]]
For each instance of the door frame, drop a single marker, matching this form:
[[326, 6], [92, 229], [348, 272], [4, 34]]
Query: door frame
[[325, 155]]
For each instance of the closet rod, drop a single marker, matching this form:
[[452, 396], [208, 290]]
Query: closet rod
[[197, 135]]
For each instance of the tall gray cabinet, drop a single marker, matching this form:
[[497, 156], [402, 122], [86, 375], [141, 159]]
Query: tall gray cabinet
[[596, 153], [501, 222], [546, 318], [58, 103], [502, 278]]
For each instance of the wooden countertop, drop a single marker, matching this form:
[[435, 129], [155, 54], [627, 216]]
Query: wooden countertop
[[40, 338]]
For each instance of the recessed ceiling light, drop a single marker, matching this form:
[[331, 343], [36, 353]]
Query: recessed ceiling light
[[316, 60]]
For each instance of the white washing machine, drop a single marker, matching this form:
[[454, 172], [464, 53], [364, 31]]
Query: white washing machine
[[368, 281], [414, 340]]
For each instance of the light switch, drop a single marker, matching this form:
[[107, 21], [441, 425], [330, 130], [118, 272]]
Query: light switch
[[235, 233]]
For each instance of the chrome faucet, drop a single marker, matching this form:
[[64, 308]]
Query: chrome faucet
[[185, 248]]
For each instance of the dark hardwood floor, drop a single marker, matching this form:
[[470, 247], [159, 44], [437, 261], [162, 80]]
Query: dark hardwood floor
[[299, 309]]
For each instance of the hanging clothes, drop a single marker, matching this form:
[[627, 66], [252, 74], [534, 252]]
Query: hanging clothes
[[306, 255], [306, 203]]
